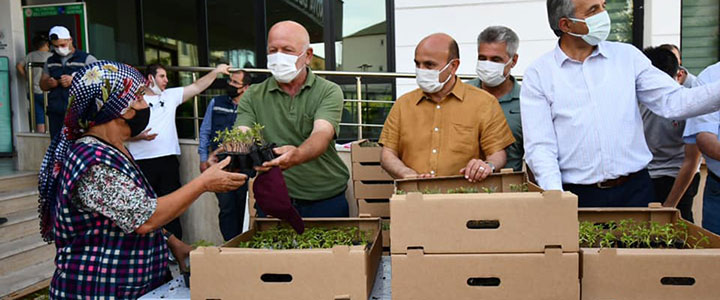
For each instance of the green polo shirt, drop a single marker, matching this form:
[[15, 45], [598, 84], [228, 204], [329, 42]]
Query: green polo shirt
[[289, 121], [510, 104]]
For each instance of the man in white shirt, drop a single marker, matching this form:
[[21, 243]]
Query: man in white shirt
[[579, 108], [156, 149]]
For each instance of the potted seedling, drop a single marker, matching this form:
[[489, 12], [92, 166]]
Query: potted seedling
[[246, 148], [283, 238]]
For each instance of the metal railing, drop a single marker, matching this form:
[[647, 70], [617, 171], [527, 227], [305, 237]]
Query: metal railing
[[31, 93], [194, 71]]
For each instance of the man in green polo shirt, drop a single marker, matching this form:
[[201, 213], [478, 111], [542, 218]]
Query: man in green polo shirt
[[497, 55], [301, 114]]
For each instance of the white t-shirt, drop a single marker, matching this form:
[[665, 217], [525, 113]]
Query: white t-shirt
[[162, 122]]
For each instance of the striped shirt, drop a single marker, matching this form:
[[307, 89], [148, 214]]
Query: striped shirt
[[581, 120]]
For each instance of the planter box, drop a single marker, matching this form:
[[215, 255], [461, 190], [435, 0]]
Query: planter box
[[552, 275], [369, 171], [343, 272], [501, 222], [657, 274], [374, 207], [373, 189], [360, 154]]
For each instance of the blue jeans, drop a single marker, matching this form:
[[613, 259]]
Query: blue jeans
[[232, 211], [711, 204], [333, 207]]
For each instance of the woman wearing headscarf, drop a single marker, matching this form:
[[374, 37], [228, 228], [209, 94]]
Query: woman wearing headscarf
[[96, 205]]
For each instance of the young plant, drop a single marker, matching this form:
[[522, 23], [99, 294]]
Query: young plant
[[463, 190], [488, 190], [519, 188]]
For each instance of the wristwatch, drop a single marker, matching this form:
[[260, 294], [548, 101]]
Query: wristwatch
[[492, 166]]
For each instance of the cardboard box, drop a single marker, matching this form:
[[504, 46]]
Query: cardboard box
[[374, 207], [552, 275], [373, 189], [658, 274], [364, 154], [385, 225], [369, 171], [500, 222], [343, 272]]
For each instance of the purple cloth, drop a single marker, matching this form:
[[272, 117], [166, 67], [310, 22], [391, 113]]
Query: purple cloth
[[272, 196]]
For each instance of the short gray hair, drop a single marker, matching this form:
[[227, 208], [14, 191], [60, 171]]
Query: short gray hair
[[558, 9], [499, 34]]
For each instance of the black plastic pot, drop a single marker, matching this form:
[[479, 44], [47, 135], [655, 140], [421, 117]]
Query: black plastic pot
[[261, 154], [239, 162]]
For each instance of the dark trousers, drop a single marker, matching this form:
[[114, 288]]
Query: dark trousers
[[711, 203], [232, 211], [636, 192], [56, 124], [333, 207], [664, 184], [163, 173]]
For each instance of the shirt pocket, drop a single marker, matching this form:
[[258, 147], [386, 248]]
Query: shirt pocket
[[463, 139], [306, 125]]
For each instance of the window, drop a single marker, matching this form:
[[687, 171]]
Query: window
[[309, 13], [621, 15], [173, 42], [112, 28], [699, 35]]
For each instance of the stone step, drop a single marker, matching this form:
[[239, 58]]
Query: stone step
[[24, 252], [18, 200], [18, 181], [27, 280], [20, 224]]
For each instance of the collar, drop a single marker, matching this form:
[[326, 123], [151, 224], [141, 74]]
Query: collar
[[561, 57], [309, 80], [458, 91]]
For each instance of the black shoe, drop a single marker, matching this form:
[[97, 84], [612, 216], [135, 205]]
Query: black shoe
[[3, 220]]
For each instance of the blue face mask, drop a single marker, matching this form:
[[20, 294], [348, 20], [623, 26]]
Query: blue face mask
[[598, 28]]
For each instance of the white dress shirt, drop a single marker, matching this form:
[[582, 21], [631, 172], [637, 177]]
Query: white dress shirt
[[581, 120], [706, 123]]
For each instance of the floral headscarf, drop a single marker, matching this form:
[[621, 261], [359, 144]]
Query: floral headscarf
[[100, 92]]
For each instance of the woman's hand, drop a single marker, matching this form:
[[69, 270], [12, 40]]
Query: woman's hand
[[180, 250], [217, 180]]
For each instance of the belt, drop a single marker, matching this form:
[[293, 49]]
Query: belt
[[611, 183]]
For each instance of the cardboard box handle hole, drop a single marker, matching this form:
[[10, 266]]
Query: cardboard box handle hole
[[483, 281], [483, 224], [276, 278], [677, 281]]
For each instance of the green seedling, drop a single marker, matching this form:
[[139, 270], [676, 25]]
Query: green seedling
[[488, 190], [235, 140], [463, 190], [428, 190], [519, 188], [283, 237], [400, 192], [202, 243]]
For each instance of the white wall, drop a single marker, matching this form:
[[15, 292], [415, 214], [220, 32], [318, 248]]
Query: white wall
[[464, 19], [662, 22]]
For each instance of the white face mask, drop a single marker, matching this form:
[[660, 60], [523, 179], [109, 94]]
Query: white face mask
[[154, 87], [62, 51], [282, 66], [598, 28], [491, 73], [429, 80]]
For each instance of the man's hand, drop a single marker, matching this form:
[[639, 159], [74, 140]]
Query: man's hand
[[289, 156], [212, 157], [66, 80], [222, 68], [144, 136], [52, 82], [476, 170], [204, 165]]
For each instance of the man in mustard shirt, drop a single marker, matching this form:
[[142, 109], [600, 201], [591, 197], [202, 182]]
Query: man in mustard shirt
[[446, 127]]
